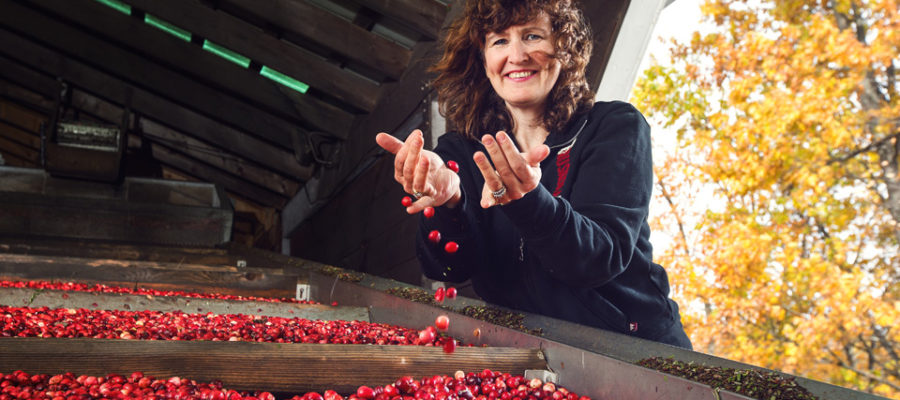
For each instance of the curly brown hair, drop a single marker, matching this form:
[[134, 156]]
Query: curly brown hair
[[465, 95]]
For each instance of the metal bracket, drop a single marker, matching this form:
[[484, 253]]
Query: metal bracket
[[302, 292], [542, 374]]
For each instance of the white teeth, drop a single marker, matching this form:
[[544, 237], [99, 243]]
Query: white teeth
[[516, 75]]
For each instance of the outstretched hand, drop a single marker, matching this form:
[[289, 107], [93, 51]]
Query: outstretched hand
[[513, 174], [421, 172]]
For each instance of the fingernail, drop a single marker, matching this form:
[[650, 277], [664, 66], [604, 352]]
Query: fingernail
[[501, 137], [488, 141]]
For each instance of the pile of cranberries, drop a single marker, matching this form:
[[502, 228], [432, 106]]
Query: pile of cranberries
[[486, 385], [83, 287], [177, 325]]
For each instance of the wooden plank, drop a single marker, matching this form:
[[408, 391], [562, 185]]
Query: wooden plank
[[22, 297], [326, 29], [19, 150], [268, 50], [152, 275], [210, 154], [29, 139], [21, 117], [120, 251], [276, 367], [207, 173], [425, 16], [259, 91], [147, 103], [20, 95]]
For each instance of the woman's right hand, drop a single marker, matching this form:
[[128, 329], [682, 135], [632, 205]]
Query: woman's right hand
[[421, 171]]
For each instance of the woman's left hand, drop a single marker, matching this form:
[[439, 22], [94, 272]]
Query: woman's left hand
[[513, 174]]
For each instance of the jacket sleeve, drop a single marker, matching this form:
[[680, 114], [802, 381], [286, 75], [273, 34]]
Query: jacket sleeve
[[590, 238], [460, 224]]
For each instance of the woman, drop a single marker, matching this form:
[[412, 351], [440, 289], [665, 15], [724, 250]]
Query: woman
[[571, 239]]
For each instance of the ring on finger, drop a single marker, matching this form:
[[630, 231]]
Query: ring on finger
[[499, 192], [418, 195]]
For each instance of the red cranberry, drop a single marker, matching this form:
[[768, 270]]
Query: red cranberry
[[451, 293], [365, 392], [453, 166], [439, 295], [434, 236], [450, 345], [451, 247], [426, 336], [428, 212], [406, 201], [442, 322]]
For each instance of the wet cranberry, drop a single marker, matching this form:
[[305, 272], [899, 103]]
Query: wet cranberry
[[439, 295], [434, 236], [428, 212], [406, 201], [451, 293], [365, 392], [453, 166], [451, 247], [449, 345], [442, 322]]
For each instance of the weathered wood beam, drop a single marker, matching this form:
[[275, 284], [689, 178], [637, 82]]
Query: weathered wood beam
[[149, 104], [326, 29], [121, 251], [275, 367], [212, 155], [207, 173], [132, 67], [257, 90], [151, 275], [265, 49], [425, 16], [25, 138], [28, 154]]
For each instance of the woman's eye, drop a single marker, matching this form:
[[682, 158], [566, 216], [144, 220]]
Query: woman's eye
[[499, 42], [532, 36]]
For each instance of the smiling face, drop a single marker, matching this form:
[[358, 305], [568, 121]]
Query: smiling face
[[519, 63]]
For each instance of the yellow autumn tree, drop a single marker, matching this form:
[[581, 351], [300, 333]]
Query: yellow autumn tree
[[783, 190]]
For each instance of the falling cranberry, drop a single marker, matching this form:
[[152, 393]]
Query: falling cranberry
[[450, 345], [428, 212], [451, 293], [451, 247], [477, 333], [453, 166], [434, 236], [406, 201], [442, 322], [439, 295]]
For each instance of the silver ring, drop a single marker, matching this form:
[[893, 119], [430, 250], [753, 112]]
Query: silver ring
[[499, 192], [418, 195]]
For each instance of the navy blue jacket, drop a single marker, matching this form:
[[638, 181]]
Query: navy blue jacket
[[577, 247]]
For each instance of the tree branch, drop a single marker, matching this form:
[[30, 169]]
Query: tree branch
[[865, 374], [678, 221]]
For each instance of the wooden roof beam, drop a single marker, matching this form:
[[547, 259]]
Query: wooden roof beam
[[259, 91], [424, 16], [320, 26], [149, 104], [252, 42]]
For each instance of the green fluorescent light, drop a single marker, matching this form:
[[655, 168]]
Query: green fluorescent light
[[226, 54], [284, 79], [118, 5], [167, 27]]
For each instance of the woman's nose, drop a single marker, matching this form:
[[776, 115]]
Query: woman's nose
[[518, 52]]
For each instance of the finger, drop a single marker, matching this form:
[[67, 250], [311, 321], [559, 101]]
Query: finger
[[414, 144], [388, 142], [399, 160], [501, 164], [420, 175], [537, 154], [492, 181], [517, 163]]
